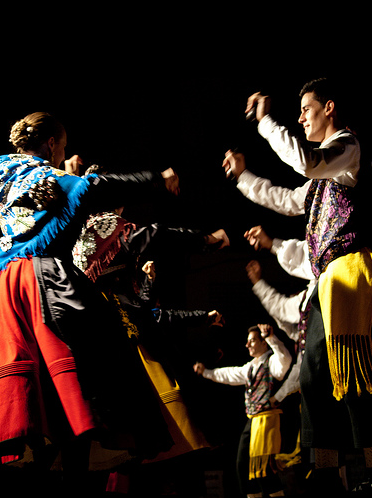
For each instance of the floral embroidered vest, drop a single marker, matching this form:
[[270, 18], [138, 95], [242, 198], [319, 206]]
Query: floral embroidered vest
[[258, 390], [332, 222]]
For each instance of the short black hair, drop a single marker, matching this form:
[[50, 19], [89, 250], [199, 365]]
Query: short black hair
[[255, 328], [321, 88], [324, 90]]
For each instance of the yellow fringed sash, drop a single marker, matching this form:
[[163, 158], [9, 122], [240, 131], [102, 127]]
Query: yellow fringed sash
[[345, 295], [265, 441]]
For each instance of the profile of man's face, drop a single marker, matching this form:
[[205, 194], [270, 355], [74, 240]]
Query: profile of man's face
[[313, 118], [255, 344]]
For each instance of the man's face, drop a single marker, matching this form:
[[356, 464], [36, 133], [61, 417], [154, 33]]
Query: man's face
[[313, 118], [256, 346]]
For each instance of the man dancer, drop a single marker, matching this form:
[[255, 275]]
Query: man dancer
[[260, 440], [338, 352]]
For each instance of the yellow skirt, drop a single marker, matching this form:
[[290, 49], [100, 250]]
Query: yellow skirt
[[345, 295], [185, 435]]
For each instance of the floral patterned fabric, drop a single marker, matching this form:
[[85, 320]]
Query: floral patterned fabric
[[99, 242], [258, 390], [331, 229], [37, 202]]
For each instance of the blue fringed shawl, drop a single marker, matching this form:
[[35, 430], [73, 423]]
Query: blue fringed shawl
[[27, 232]]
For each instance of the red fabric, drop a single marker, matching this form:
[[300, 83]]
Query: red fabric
[[24, 339], [117, 483], [107, 243]]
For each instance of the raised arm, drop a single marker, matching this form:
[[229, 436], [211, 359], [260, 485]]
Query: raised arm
[[337, 159], [281, 360], [286, 201]]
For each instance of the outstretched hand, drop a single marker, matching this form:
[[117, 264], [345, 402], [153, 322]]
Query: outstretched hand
[[172, 181], [254, 271], [262, 103], [199, 368], [234, 164], [215, 319], [72, 165], [220, 236], [258, 238], [149, 269]]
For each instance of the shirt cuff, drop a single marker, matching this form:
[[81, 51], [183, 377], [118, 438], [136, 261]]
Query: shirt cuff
[[265, 126], [272, 340], [259, 286], [247, 177], [208, 374], [277, 243]]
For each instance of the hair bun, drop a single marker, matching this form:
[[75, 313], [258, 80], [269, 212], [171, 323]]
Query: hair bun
[[19, 135], [31, 132]]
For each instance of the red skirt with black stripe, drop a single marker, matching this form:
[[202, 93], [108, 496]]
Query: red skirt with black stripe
[[27, 345]]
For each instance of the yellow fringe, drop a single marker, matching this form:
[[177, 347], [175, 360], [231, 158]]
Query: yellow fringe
[[285, 460], [258, 466], [350, 355], [345, 295], [265, 441]]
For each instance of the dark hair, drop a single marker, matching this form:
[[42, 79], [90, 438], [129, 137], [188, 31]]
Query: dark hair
[[31, 132], [324, 90], [255, 328]]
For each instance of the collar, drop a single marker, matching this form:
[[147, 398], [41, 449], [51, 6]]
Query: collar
[[256, 362], [335, 136]]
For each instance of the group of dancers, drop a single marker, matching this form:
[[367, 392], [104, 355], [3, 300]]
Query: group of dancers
[[77, 323]]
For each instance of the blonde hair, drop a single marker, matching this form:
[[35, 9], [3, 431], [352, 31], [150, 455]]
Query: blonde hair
[[31, 132]]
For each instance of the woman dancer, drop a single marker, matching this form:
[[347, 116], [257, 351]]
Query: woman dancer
[[50, 313]]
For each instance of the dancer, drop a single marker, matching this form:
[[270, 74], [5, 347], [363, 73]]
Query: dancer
[[338, 357], [50, 314], [108, 251], [260, 440]]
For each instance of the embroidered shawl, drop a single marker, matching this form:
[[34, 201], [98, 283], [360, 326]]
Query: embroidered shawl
[[99, 242], [332, 225], [37, 202]]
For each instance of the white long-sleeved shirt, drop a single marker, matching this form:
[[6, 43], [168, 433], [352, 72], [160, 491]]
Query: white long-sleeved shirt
[[293, 257], [279, 364], [338, 157], [292, 382], [285, 310], [289, 202]]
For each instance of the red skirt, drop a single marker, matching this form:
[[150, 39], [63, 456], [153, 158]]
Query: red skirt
[[26, 346]]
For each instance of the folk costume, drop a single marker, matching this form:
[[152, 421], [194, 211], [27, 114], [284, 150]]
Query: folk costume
[[107, 251], [260, 439], [58, 376], [337, 362]]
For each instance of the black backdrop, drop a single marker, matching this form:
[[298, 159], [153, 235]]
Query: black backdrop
[[152, 115]]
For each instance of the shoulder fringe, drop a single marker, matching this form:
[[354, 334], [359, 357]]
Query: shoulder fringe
[[37, 245]]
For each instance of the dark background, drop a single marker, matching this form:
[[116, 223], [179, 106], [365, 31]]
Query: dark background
[[181, 105]]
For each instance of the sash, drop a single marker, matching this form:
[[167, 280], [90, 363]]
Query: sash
[[345, 295], [265, 441]]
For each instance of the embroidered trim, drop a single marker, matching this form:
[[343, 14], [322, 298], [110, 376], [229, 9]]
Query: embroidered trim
[[330, 232], [132, 330]]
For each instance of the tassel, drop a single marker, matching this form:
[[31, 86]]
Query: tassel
[[350, 354], [257, 466]]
